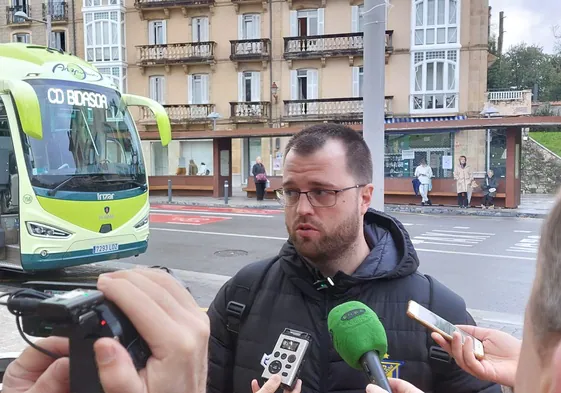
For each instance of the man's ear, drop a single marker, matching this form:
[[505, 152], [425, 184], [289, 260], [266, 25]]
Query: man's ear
[[555, 370], [366, 197]]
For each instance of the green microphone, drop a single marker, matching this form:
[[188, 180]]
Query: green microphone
[[360, 339]]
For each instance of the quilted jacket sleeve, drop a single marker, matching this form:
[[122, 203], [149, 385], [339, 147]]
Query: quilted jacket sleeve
[[221, 356]]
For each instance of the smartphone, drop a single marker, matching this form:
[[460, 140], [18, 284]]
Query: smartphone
[[443, 327]]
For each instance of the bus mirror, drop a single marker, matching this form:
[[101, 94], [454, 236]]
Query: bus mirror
[[27, 106], [162, 119]]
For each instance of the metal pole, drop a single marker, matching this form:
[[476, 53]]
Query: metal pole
[[169, 190], [226, 188], [49, 27], [374, 18]]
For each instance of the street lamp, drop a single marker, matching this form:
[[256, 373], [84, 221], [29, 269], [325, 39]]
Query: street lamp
[[47, 22], [214, 116]]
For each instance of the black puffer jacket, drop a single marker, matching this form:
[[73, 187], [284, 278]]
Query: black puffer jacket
[[385, 281]]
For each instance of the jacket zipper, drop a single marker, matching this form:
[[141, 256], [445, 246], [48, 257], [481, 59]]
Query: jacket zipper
[[325, 343]]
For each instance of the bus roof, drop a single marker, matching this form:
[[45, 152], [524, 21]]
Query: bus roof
[[25, 61]]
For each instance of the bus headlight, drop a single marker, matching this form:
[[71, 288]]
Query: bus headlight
[[42, 230], [142, 222]]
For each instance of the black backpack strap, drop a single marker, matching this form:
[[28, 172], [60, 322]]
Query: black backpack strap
[[442, 302], [245, 286]]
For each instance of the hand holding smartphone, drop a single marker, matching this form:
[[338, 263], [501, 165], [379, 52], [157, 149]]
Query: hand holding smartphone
[[443, 327]]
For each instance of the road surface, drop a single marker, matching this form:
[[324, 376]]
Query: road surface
[[489, 261]]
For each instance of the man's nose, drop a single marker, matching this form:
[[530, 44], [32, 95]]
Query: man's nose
[[304, 206]]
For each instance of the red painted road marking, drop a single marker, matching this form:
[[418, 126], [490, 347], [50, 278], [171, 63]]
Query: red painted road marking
[[187, 220], [216, 209]]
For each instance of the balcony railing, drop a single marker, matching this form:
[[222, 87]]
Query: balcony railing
[[247, 111], [171, 3], [509, 95], [340, 109], [11, 19], [256, 49], [192, 52], [57, 10], [182, 113], [331, 45], [434, 102]]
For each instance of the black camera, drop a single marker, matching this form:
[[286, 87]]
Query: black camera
[[81, 313]]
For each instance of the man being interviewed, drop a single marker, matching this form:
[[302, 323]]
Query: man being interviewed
[[339, 249]]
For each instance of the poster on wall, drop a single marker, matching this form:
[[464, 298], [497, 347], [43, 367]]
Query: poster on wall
[[277, 164], [446, 162], [224, 162], [408, 155]]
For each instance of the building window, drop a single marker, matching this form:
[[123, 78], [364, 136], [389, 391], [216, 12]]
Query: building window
[[157, 89], [249, 86], [436, 22], [307, 22], [249, 26], [357, 20], [99, 3], [358, 77], [435, 82], [104, 36], [22, 37], [160, 159], [117, 74], [58, 40], [200, 29], [157, 34]]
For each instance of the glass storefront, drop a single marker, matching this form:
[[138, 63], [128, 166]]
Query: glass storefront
[[403, 153]]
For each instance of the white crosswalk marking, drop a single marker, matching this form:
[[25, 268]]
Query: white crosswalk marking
[[452, 238], [528, 245]]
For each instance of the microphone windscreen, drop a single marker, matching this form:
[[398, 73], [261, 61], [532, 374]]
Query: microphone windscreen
[[355, 330]]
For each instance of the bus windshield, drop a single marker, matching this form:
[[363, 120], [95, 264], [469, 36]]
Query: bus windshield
[[89, 143]]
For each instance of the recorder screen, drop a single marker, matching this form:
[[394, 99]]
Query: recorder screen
[[290, 345]]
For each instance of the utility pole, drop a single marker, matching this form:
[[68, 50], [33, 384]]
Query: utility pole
[[374, 69], [501, 34]]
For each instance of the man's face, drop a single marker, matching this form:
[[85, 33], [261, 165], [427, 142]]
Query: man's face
[[322, 234]]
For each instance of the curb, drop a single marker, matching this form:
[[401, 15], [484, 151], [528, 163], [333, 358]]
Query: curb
[[440, 210]]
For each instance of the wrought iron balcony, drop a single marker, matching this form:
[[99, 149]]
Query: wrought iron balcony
[[58, 11], [170, 54], [151, 4], [330, 45], [256, 49], [336, 109], [254, 111], [187, 113], [11, 19]]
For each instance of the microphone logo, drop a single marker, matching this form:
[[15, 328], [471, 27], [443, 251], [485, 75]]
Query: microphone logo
[[352, 314]]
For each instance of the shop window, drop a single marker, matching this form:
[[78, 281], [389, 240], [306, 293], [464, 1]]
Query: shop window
[[405, 151]]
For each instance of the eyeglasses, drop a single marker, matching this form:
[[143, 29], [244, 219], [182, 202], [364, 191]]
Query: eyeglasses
[[317, 198]]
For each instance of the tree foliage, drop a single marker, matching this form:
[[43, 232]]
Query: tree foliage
[[525, 67]]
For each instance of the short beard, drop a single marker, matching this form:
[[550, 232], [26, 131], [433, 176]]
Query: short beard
[[331, 246]]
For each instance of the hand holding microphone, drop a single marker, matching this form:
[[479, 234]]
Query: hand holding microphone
[[360, 339]]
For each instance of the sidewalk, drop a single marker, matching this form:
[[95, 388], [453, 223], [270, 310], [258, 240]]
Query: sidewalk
[[531, 206]]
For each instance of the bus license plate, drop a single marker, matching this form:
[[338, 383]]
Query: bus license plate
[[105, 248]]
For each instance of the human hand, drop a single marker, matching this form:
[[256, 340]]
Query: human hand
[[273, 384], [397, 385], [502, 352], [178, 342], [35, 372]]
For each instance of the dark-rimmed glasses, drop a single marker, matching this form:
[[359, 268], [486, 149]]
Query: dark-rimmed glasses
[[317, 198]]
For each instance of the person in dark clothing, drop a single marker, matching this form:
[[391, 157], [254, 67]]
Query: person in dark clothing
[[489, 190], [339, 249], [260, 178]]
